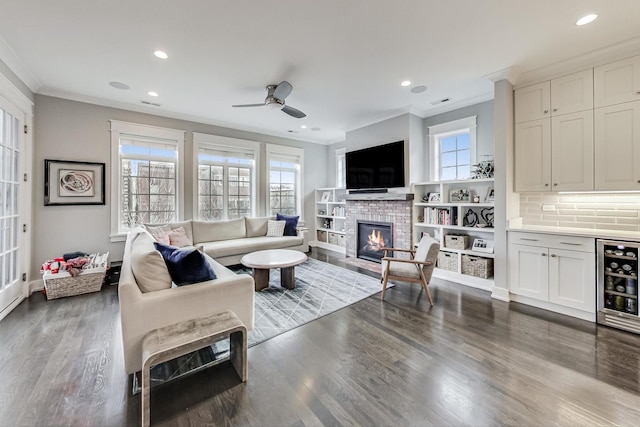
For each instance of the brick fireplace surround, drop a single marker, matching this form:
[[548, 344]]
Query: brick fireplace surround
[[386, 207]]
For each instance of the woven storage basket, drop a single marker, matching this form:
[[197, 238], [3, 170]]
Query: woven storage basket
[[62, 284], [448, 261], [342, 241], [321, 236], [457, 241], [333, 238], [477, 266]]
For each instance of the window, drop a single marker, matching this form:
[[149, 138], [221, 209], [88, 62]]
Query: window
[[341, 168], [452, 149], [146, 176], [226, 177], [285, 182]]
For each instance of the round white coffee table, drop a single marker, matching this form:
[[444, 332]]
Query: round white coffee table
[[263, 261]]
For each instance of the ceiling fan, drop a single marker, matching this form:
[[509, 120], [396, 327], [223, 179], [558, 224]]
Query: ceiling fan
[[276, 95]]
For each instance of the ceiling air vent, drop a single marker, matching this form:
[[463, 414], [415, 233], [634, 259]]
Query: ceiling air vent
[[155, 104], [441, 101]]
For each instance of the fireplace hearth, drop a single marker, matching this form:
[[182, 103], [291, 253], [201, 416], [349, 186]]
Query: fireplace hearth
[[372, 236]]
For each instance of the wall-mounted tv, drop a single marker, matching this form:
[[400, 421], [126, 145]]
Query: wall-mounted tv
[[376, 167]]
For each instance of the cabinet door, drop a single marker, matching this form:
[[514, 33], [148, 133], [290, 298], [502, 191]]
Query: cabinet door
[[572, 152], [533, 156], [532, 102], [528, 271], [572, 279], [617, 147], [617, 82], [572, 93]]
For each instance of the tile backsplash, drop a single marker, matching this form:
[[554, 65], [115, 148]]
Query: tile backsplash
[[603, 211]]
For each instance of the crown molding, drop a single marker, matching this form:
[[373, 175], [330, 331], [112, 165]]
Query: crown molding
[[510, 74], [591, 59], [18, 67]]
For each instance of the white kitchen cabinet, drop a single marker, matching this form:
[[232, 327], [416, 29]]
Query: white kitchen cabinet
[[533, 102], [617, 147], [572, 93], [555, 269], [564, 95], [555, 152], [533, 156], [617, 82], [572, 152]]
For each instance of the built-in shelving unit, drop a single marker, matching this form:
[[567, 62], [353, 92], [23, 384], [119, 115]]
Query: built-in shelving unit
[[447, 208], [330, 219]]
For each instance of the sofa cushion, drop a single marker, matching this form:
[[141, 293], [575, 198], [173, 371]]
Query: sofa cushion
[[292, 223], [147, 264], [186, 265], [178, 238], [214, 231], [249, 244], [160, 233], [188, 231], [275, 228], [256, 227]]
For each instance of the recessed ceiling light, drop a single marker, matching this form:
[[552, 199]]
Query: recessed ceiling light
[[119, 85], [303, 126], [160, 54], [316, 129], [586, 19], [152, 93], [405, 83], [418, 89]]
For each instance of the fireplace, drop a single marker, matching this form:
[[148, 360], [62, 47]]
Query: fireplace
[[371, 237]]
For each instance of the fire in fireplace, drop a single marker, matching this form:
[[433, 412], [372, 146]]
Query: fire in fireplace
[[372, 237]]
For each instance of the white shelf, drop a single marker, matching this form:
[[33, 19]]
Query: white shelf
[[330, 203], [463, 279], [330, 230], [455, 227], [329, 246], [331, 216], [447, 205], [468, 252], [455, 181]]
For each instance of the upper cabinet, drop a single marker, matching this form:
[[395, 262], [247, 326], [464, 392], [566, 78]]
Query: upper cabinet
[[564, 95], [554, 134], [617, 82], [617, 147]]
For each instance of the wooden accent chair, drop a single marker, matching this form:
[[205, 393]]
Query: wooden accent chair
[[418, 268]]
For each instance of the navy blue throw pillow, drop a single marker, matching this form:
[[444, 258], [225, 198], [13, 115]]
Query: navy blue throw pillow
[[291, 222], [185, 265]]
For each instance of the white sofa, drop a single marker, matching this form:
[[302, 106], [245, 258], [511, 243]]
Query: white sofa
[[228, 241], [141, 312]]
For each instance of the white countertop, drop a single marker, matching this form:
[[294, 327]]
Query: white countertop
[[581, 232]]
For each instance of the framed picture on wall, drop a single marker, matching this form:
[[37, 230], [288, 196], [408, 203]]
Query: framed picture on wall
[[67, 182]]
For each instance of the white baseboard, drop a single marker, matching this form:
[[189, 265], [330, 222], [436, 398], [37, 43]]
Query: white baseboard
[[501, 294], [36, 286]]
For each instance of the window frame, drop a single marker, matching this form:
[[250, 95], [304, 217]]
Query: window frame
[[221, 143], [273, 150], [151, 134], [443, 130]]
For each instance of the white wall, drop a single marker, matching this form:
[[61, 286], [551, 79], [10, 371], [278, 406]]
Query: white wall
[[71, 130]]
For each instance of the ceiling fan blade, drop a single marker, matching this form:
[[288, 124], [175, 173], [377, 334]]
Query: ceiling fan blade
[[293, 112], [250, 105], [282, 90]]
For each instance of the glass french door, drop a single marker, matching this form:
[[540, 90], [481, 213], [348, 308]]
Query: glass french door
[[11, 141]]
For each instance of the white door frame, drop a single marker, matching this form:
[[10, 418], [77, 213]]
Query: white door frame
[[11, 95]]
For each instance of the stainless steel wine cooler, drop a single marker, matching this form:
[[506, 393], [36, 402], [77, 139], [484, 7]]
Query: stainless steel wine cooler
[[618, 284]]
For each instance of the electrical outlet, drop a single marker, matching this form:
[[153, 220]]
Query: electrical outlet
[[549, 208]]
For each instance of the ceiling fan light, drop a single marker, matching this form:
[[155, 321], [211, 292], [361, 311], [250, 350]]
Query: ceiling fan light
[[586, 19], [275, 106]]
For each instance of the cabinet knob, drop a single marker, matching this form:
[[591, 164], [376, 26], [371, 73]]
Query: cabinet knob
[[546, 185], [555, 184], [553, 255], [639, 181], [546, 111], [555, 109], [638, 92], [544, 254]]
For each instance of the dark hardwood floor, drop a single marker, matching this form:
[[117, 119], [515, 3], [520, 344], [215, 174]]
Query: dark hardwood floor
[[469, 360]]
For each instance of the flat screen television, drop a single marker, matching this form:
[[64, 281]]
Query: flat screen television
[[376, 167]]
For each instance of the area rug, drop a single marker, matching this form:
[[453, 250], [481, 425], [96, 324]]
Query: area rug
[[320, 289]]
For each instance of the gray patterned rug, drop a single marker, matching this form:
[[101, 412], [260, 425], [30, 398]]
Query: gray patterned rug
[[320, 289]]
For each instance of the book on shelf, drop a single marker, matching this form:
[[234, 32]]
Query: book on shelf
[[441, 216]]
